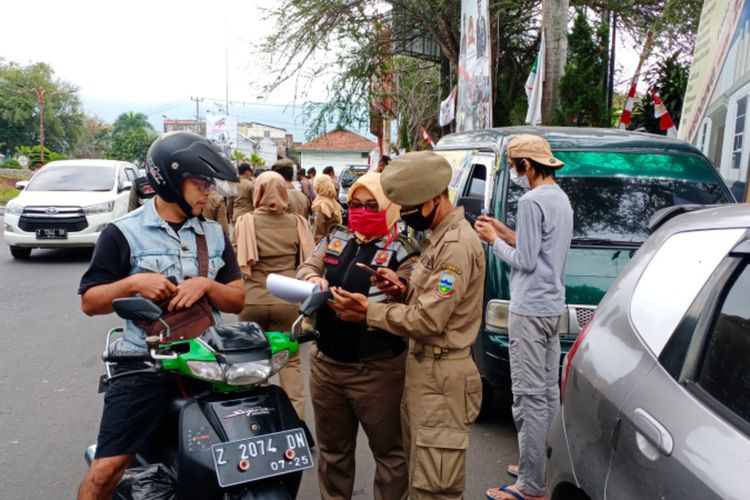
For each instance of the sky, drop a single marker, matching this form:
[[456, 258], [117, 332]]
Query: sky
[[153, 56]]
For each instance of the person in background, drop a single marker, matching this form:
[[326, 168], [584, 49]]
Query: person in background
[[298, 202], [325, 207], [441, 317], [356, 372], [270, 240], [383, 162], [243, 202], [257, 172], [305, 185], [537, 252], [311, 173], [330, 172], [216, 210], [139, 193]]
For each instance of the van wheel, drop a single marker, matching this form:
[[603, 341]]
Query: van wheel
[[21, 253]]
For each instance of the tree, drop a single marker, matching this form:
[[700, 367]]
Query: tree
[[256, 161], [132, 135], [416, 91], [95, 140], [583, 99], [19, 108], [336, 40], [669, 80]]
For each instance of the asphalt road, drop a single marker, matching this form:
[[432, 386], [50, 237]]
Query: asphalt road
[[50, 409]]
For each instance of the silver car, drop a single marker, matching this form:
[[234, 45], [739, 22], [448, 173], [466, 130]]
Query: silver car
[[656, 389]]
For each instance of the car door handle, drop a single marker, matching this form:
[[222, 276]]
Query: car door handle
[[653, 431]]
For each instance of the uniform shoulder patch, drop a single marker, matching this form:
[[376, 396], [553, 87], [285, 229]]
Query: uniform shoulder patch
[[336, 246], [444, 289], [453, 269]]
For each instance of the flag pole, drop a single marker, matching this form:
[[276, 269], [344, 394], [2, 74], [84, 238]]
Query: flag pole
[[628, 110]]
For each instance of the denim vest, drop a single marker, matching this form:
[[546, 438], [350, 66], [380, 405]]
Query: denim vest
[[156, 248]]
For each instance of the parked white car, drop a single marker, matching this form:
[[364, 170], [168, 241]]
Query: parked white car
[[67, 204]]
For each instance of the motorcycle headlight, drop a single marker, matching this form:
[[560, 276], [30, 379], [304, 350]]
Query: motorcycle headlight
[[13, 209], [206, 370], [253, 372], [101, 208]]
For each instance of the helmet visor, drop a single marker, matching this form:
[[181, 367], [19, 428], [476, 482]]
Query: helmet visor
[[226, 188]]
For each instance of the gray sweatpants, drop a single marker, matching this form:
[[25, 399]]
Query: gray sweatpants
[[534, 365]]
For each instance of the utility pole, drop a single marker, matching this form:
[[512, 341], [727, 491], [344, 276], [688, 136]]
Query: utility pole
[[41, 99], [198, 101]]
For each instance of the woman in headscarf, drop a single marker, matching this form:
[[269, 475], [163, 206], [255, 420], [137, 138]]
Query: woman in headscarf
[[325, 207], [356, 373], [270, 240]]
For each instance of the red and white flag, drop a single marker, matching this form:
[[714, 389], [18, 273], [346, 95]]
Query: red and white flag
[[661, 112], [627, 112], [427, 137]]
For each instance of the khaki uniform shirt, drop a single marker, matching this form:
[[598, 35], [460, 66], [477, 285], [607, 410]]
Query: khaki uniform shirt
[[298, 203], [444, 300], [278, 252], [216, 209], [243, 202]]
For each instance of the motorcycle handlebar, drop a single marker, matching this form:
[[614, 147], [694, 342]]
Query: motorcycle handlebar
[[123, 356], [308, 337]]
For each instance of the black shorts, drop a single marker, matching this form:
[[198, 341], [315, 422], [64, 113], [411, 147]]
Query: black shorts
[[134, 407]]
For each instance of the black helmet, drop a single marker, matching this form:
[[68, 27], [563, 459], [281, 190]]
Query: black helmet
[[176, 154]]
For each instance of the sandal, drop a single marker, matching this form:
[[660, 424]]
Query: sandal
[[512, 471], [506, 493]]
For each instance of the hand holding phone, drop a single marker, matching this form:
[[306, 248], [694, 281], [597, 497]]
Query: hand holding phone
[[378, 276]]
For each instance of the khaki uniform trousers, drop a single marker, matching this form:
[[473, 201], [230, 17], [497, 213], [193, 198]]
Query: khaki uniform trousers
[[345, 395], [279, 318], [442, 398]]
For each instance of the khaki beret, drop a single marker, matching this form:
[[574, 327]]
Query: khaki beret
[[284, 162], [534, 147], [414, 178]]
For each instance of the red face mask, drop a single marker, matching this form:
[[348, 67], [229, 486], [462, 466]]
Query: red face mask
[[368, 222]]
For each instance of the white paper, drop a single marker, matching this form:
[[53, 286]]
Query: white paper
[[290, 289]]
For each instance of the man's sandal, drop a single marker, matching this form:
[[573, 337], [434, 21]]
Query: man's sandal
[[512, 471], [505, 493]]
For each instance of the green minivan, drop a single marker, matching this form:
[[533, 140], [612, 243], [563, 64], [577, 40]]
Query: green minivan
[[615, 179]]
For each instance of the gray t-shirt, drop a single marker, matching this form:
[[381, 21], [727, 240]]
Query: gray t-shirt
[[544, 228]]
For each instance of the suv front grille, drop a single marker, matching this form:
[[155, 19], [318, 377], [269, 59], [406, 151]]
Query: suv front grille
[[70, 218]]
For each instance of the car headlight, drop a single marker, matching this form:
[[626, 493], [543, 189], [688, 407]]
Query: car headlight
[[249, 373], [206, 370], [101, 208], [13, 209]]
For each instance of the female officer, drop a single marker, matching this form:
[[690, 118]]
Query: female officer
[[270, 240], [356, 373], [325, 207]]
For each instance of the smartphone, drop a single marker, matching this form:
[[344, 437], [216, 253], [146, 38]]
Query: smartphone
[[376, 274]]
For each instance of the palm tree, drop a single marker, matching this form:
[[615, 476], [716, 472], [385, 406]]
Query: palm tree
[[132, 121]]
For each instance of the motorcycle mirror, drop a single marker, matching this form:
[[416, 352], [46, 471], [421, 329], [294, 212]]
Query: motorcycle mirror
[[314, 302], [136, 309]]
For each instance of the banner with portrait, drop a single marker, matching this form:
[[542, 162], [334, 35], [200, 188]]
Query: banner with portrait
[[474, 108]]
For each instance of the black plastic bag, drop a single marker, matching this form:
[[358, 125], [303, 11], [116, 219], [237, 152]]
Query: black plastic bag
[[155, 482]]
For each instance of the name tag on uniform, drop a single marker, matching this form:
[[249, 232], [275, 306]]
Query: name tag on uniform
[[382, 258], [336, 246]]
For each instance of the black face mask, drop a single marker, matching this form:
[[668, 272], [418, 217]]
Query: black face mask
[[413, 218]]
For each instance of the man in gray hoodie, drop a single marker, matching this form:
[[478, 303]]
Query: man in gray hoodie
[[537, 252]]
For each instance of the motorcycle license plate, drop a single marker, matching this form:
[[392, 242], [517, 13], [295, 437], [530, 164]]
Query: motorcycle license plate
[[260, 457], [52, 234]]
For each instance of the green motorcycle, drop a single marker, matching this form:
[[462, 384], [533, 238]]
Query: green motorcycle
[[237, 437]]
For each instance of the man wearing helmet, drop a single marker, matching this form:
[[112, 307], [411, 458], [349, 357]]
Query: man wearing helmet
[[138, 254]]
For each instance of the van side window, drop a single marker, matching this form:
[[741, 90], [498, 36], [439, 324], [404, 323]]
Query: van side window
[[724, 371], [476, 184]]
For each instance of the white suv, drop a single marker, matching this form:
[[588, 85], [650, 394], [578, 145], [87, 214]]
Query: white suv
[[67, 204]]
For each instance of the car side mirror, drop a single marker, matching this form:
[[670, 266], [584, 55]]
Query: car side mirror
[[314, 302], [472, 207], [21, 185], [136, 309]]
